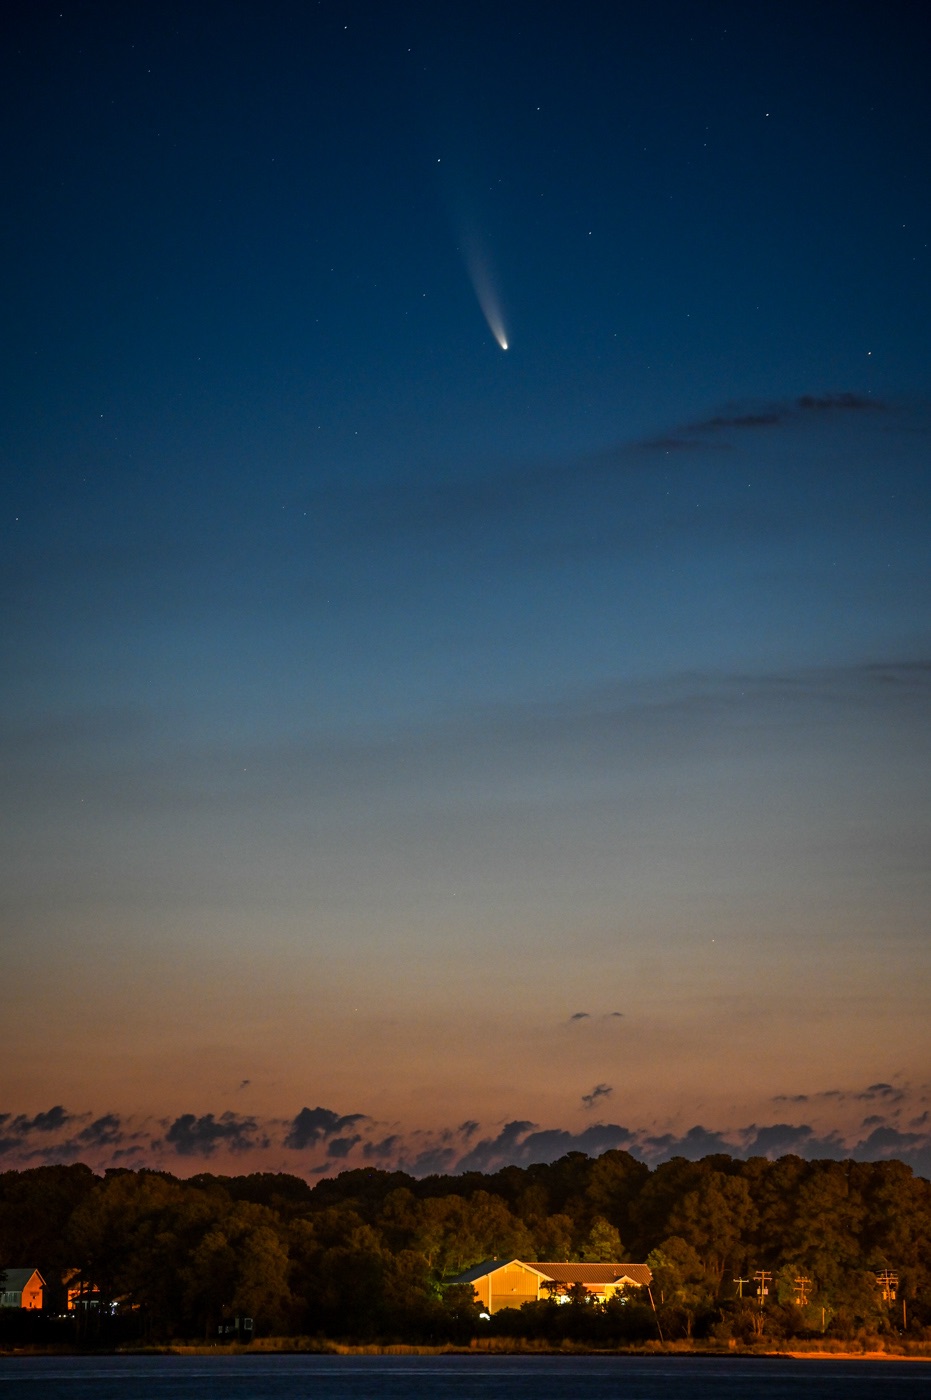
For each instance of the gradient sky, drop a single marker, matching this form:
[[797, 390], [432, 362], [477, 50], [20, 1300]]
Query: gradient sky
[[418, 752]]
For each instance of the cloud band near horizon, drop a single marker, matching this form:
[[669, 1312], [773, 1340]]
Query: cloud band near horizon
[[319, 1141]]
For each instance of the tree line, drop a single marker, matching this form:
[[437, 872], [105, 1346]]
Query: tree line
[[739, 1249]]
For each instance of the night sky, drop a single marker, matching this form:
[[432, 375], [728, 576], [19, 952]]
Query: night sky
[[419, 752]]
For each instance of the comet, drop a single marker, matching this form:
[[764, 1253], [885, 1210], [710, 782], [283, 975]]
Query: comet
[[483, 285]]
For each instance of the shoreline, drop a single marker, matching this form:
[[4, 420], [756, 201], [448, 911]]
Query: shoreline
[[298, 1346]]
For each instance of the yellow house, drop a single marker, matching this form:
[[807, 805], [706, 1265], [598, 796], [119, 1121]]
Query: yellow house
[[511, 1283], [21, 1288]]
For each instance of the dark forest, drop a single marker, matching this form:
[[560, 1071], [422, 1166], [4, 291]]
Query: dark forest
[[365, 1257]]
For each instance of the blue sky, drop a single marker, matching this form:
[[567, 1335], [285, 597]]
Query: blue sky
[[376, 701]]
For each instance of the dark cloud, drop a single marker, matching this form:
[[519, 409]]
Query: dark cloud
[[333, 1141], [103, 1132], [341, 1147], [548, 1144], [838, 402], [435, 1161], [386, 1148], [886, 1092], [883, 1093], [200, 1137], [758, 1140], [245, 1083], [880, 1092], [580, 1016], [697, 1142], [776, 1140], [771, 415], [762, 419], [314, 1125], [508, 1140], [888, 1143], [521, 1143], [50, 1122], [750, 418], [614, 1016], [21, 1130]]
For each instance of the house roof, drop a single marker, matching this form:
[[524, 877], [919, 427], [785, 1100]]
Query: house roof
[[15, 1280], [490, 1266], [594, 1274]]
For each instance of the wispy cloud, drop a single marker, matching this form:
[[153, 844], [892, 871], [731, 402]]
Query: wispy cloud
[[600, 1091], [888, 1093], [610, 489], [704, 432], [842, 403], [615, 728]]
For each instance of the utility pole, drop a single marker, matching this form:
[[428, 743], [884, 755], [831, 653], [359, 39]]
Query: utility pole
[[740, 1286], [887, 1281], [802, 1286], [764, 1278]]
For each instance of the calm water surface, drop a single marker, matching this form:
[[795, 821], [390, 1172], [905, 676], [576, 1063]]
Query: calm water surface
[[452, 1378]]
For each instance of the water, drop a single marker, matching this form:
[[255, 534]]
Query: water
[[454, 1378]]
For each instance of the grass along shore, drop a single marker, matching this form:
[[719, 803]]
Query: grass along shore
[[869, 1349]]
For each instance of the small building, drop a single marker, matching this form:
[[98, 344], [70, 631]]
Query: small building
[[80, 1294], [21, 1288], [510, 1283]]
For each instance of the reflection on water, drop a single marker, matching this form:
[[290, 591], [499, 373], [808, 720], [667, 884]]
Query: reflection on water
[[455, 1378]]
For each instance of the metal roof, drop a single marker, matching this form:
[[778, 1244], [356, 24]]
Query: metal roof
[[15, 1280], [592, 1275], [490, 1266], [595, 1273]]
